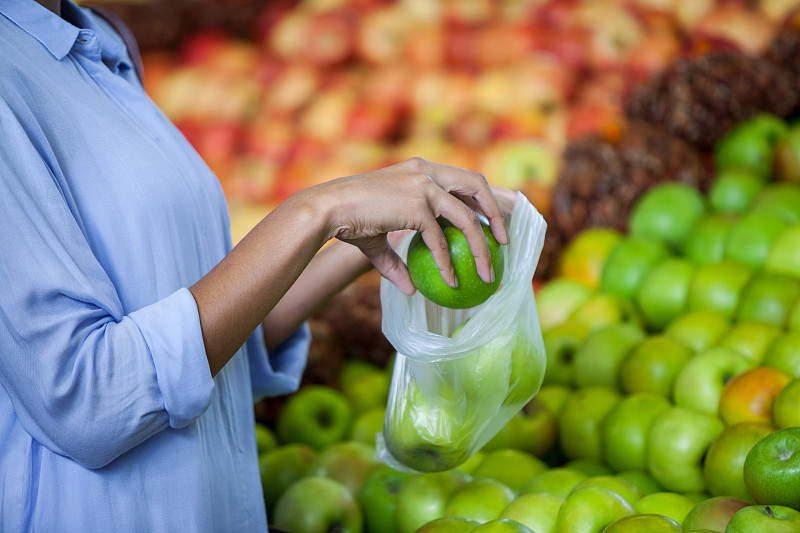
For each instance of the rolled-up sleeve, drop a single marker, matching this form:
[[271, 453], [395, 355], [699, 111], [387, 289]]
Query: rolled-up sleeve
[[86, 379], [279, 371]]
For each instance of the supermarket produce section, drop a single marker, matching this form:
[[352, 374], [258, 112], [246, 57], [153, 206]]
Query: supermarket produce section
[[660, 141]]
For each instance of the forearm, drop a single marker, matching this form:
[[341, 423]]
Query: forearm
[[235, 296], [337, 265]]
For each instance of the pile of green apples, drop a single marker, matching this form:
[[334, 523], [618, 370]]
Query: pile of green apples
[[671, 400]]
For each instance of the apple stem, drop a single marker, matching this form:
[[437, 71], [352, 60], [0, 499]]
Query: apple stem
[[769, 511]]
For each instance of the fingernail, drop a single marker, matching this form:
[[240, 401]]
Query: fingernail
[[491, 274], [453, 279]]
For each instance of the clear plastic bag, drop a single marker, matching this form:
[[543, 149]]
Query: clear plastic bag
[[451, 394]]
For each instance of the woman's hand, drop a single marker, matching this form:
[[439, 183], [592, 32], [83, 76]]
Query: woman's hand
[[364, 208]]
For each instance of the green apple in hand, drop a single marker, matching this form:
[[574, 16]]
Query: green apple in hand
[[471, 290], [537, 511], [449, 524], [591, 509], [598, 357], [698, 330], [481, 499], [644, 523], [654, 365], [699, 385], [671, 504], [625, 429], [723, 468], [667, 213], [713, 513], [580, 421], [378, 499], [318, 505], [772, 469], [771, 518], [422, 498], [677, 443], [664, 291], [559, 481], [513, 468], [281, 467], [315, 415]]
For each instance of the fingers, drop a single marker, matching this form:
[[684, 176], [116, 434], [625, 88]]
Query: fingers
[[391, 267], [473, 190], [434, 239], [506, 198]]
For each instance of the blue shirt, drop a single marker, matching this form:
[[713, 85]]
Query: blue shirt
[[109, 417]]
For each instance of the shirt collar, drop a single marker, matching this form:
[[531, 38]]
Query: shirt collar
[[57, 34]]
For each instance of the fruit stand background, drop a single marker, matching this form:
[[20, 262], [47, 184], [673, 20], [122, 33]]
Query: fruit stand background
[[585, 106]]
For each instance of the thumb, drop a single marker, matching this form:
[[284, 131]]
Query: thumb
[[391, 267]]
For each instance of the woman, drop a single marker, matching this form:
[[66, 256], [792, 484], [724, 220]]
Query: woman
[[133, 340]]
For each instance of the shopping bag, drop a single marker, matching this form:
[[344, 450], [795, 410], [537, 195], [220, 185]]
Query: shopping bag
[[461, 374]]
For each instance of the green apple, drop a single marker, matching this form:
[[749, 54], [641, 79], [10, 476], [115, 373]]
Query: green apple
[[266, 440], [560, 344], [723, 468], [603, 309], [623, 487], [625, 429], [772, 469], [513, 468], [628, 264], [769, 298], [676, 445], [698, 330], [423, 497], [480, 500], [533, 430], [367, 424], [348, 462], [750, 339], [557, 299], [537, 511], [644, 523], [713, 513], [786, 159], [503, 525], [751, 238], [670, 504], [448, 524], [706, 243], [365, 385], [784, 353], [667, 213], [378, 499], [642, 479], [664, 291], [590, 510], [654, 365], [786, 409], [583, 258], [317, 505], [750, 145], [589, 467], [559, 481], [733, 190], [472, 463], [315, 415], [553, 397], [281, 467], [771, 518], [598, 357], [717, 286], [779, 199], [580, 420], [528, 363], [471, 290], [699, 385]]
